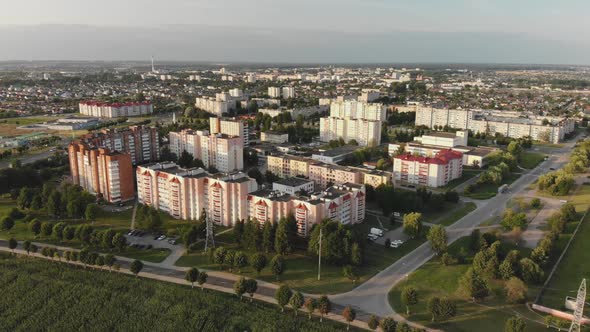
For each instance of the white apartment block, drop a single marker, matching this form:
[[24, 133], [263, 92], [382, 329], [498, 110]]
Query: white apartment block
[[435, 171], [186, 193], [221, 151], [293, 186], [115, 110], [509, 124], [274, 137], [343, 203], [231, 127], [284, 92], [353, 120], [274, 92]]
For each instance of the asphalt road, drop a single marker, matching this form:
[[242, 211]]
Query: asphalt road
[[371, 296]]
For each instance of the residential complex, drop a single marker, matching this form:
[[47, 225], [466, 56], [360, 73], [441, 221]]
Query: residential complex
[[231, 127], [221, 151], [436, 171], [322, 174], [431, 143], [114, 110], [186, 193], [293, 186], [274, 137], [141, 142], [285, 92], [102, 172], [344, 203], [353, 120], [507, 123], [221, 103]]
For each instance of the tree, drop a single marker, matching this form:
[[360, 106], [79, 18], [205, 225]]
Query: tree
[[27, 246], [516, 290], [58, 231], [373, 322], [12, 244], [258, 262], [356, 256], [568, 212], [46, 228], [109, 260], [119, 241], [388, 324], [192, 275], [282, 245], [251, 287], [241, 261], [409, 297], [34, 248], [515, 324], [310, 305], [324, 306], [535, 203], [349, 314], [514, 148], [350, 272], [530, 271], [277, 265], [136, 267], [413, 224], [296, 301], [219, 255], [24, 198], [7, 223], [202, 279], [283, 295], [268, 237], [91, 212], [35, 227], [185, 160], [240, 287], [474, 285], [54, 204], [230, 259], [437, 235]]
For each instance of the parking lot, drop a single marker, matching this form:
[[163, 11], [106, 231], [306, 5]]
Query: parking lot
[[146, 240]]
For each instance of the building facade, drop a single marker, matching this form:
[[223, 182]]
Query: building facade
[[343, 203], [186, 193], [435, 171], [225, 153], [353, 120], [230, 127], [102, 172], [141, 142], [115, 110]]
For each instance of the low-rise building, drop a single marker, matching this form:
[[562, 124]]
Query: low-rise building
[[293, 185], [113, 110], [274, 137]]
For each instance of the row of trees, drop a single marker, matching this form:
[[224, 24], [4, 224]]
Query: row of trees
[[561, 182], [547, 246], [239, 260], [389, 200]]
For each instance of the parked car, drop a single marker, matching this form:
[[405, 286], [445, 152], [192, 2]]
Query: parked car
[[372, 237], [161, 237], [376, 231]]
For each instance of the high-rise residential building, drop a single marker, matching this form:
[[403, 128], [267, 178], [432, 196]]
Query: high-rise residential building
[[115, 110], [274, 92], [231, 127], [343, 203], [141, 142], [435, 171], [510, 124], [221, 151], [186, 193], [353, 120], [102, 172], [288, 92]]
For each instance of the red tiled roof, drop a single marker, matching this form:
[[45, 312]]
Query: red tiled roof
[[101, 103], [441, 158]]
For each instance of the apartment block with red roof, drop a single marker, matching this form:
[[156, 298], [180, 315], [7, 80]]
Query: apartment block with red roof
[[435, 171]]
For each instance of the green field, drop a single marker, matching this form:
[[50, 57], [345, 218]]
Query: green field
[[434, 279], [530, 160], [467, 175], [51, 296], [488, 190], [302, 270], [457, 214]]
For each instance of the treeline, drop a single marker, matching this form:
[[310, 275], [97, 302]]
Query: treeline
[[390, 200], [561, 182], [32, 175]]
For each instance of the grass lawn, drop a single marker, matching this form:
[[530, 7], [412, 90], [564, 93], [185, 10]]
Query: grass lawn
[[458, 213], [154, 255], [530, 160], [302, 270], [488, 190], [434, 279], [467, 175]]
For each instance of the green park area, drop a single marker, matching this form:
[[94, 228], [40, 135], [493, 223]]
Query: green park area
[[488, 190], [530, 160], [64, 297]]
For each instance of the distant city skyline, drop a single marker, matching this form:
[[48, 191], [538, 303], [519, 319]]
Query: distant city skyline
[[367, 31]]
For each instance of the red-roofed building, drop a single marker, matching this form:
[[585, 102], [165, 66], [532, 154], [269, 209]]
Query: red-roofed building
[[436, 171]]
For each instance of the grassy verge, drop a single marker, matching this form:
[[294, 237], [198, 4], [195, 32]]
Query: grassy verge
[[114, 302], [434, 279], [302, 270], [457, 214], [467, 175], [530, 160], [488, 190]]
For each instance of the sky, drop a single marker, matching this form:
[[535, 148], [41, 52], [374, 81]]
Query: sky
[[497, 31]]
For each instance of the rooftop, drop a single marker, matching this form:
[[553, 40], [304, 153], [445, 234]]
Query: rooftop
[[293, 181]]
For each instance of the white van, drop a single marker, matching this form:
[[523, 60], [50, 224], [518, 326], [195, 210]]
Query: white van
[[377, 231]]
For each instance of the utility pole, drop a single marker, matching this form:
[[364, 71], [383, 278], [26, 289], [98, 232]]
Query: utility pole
[[320, 255]]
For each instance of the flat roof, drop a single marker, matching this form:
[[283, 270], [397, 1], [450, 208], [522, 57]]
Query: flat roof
[[441, 134], [293, 181]]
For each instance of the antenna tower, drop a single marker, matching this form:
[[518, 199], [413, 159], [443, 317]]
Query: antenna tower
[[579, 312]]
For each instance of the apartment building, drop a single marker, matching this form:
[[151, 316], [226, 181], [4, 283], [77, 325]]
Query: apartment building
[[141, 142], [230, 127], [186, 193], [509, 124], [225, 153], [343, 203], [107, 174], [435, 171], [323, 174], [274, 137], [284, 92], [293, 186], [353, 120], [218, 105], [114, 110]]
